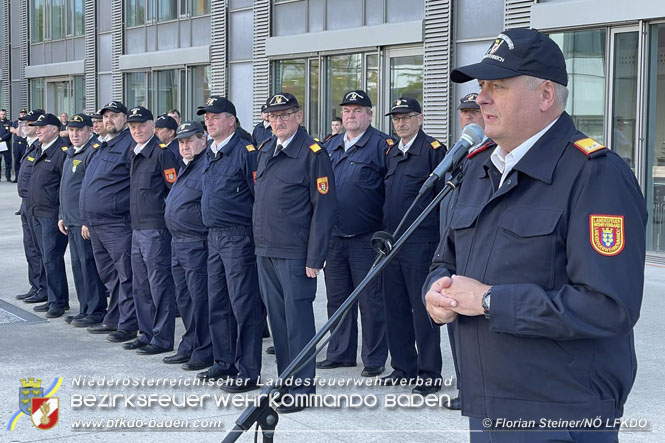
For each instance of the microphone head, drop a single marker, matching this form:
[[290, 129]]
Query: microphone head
[[473, 133]]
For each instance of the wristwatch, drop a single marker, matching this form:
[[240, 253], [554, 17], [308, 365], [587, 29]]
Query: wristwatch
[[487, 298]]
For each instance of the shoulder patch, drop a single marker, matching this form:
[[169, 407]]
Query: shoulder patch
[[250, 148], [435, 144], [390, 141], [64, 148], [484, 147], [315, 147], [163, 145], [588, 146], [606, 234]]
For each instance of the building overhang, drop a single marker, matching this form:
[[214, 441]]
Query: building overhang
[[170, 57], [55, 69], [553, 15]]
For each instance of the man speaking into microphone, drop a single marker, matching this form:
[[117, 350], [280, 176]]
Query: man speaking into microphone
[[543, 260]]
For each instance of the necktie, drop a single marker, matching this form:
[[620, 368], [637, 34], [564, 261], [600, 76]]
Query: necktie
[[278, 149]]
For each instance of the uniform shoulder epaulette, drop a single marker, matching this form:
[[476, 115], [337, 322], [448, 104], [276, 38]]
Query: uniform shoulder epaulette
[[435, 144], [484, 147], [64, 148], [163, 145], [95, 146], [390, 141], [588, 146], [315, 148], [250, 148], [261, 145]]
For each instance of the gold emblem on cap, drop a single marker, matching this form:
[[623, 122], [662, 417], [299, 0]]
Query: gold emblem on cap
[[135, 111], [278, 100], [353, 96], [211, 101], [76, 118]]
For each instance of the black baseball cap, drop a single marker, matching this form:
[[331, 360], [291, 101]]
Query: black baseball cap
[[33, 115], [217, 104], [281, 101], [356, 97], [46, 119], [97, 115], [404, 105], [139, 114], [114, 106], [263, 107], [166, 121], [79, 121], [516, 52], [468, 101], [188, 129]]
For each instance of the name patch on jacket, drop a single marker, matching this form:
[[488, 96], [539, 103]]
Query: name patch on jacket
[[606, 234], [170, 175], [75, 163], [322, 185]]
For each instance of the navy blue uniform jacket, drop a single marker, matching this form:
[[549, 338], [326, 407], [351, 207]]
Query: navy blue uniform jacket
[[43, 199], [105, 188], [261, 133], [406, 174], [72, 177], [359, 175], [295, 201], [151, 174], [183, 204], [562, 241], [24, 173]]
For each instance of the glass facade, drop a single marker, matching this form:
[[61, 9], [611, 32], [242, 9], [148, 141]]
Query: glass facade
[[624, 103], [136, 89], [55, 19]]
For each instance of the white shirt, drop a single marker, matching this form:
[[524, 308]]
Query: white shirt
[[505, 162], [286, 142], [348, 144], [215, 148], [139, 147], [45, 147], [31, 140], [266, 124], [404, 148]]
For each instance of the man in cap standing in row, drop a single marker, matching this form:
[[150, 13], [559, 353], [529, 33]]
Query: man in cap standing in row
[[106, 221], [293, 216], [98, 126], [189, 250], [414, 344], [152, 171], [43, 203], [262, 131], [236, 312], [359, 160], [165, 128], [19, 142], [89, 286], [543, 262]]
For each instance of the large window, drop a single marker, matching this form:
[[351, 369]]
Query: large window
[[57, 95], [36, 93], [135, 14], [142, 12], [56, 19], [167, 10], [136, 89]]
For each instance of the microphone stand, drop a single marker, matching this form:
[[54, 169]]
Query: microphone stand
[[263, 414]]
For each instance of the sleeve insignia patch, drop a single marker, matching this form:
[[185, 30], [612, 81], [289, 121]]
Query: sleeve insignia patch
[[170, 174], [606, 233], [588, 145], [250, 148], [435, 144], [316, 148], [390, 141], [322, 185]]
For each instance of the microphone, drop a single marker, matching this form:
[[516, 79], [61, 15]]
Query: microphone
[[472, 135]]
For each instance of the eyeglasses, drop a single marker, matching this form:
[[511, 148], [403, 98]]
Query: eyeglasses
[[283, 117], [404, 118]]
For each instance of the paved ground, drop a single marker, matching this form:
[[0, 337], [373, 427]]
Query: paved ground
[[55, 349]]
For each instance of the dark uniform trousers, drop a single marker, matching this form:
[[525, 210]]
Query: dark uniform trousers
[[189, 258], [348, 262], [405, 275], [89, 286], [36, 273], [289, 294], [233, 290], [52, 244], [152, 284], [111, 246]]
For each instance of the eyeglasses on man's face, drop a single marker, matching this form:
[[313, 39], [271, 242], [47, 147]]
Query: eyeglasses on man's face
[[283, 117], [403, 118]]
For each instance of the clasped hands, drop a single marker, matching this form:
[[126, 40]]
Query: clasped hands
[[450, 296]]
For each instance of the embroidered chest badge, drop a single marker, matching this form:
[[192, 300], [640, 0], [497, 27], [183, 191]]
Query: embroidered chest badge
[[606, 233], [75, 163]]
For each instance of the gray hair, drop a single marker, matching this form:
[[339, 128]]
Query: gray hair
[[560, 91]]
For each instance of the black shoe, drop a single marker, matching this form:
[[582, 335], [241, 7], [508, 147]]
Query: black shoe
[[175, 359], [26, 295], [41, 308], [331, 364], [71, 318], [196, 365], [394, 379], [217, 372], [270, 350], [35, 298], [17, 213], [372, 371], [101, 329], [425, 390], [14, 181], [85, 321], [238, 385], [121, 335], [152, 350], [455, 404], [54, 312], [134, 344]]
